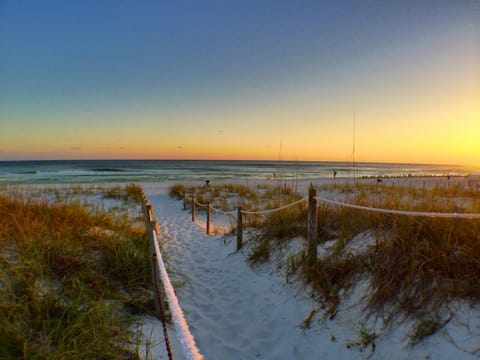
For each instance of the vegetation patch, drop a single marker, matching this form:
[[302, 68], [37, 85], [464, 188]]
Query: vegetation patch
[[71, 276], [366, 339], [413, 265]]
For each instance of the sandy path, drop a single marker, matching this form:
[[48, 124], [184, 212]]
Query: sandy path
[[238, 313], [232, 310]]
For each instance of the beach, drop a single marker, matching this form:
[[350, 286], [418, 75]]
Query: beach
[[239, 180], [239, 310], [236, 311]]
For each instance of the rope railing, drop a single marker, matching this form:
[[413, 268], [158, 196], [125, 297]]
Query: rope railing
[[402, 212], [259, 212], [212, 207], [231, 214], [200, 204], [313, 200], [189, 198], [270, 211], [166, 294], [186, 338], [221, 211]]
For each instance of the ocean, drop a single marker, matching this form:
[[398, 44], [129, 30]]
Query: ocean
[[130, 171]]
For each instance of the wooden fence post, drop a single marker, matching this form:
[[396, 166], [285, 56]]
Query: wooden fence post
[[150, 227], [239, 229], [149, 212], [143, 207], [184, 201], [193, 209], [143, 203], [312, 226], [208, 218], [146, 213]]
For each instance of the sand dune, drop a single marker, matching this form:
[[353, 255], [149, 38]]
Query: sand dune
[[236, 312]]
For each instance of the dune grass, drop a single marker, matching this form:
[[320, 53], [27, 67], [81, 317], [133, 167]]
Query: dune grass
[[414, 266], [275, 230], [228, 197], [130, 193], [71, 276]]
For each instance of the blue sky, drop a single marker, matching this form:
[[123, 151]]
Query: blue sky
[[224, 79]]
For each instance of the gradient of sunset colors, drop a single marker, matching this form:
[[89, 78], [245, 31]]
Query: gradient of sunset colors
[[116, 79]]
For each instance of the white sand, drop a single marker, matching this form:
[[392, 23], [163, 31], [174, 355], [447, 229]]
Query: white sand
[[236, 312]]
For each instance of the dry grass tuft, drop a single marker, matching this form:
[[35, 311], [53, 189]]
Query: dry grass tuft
[[67, 275], [415, 264]]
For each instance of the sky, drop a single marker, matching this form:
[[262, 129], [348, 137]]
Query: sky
[[383, 81]]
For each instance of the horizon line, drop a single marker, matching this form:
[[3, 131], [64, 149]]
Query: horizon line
[[243, 160]]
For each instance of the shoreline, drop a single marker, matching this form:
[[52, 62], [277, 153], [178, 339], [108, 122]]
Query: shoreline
[[118, 171]]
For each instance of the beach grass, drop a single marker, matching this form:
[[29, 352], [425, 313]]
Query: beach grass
[[72, 276], [413, 266]]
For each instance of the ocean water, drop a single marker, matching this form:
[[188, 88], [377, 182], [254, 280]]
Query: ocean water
[[129, 171]]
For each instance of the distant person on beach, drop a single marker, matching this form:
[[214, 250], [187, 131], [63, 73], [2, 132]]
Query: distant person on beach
[[334, 174]]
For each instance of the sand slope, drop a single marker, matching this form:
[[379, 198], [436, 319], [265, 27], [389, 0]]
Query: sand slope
[[236, 312]]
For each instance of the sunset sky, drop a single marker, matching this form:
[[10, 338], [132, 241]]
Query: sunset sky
[[101, 79]]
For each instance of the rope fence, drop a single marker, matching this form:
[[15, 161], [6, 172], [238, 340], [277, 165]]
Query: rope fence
[[211, 210], [312, 220], [165, 294], [238, 220], [200, 204], [271, 211], [402, 212], [221, 211], [186, 338]]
